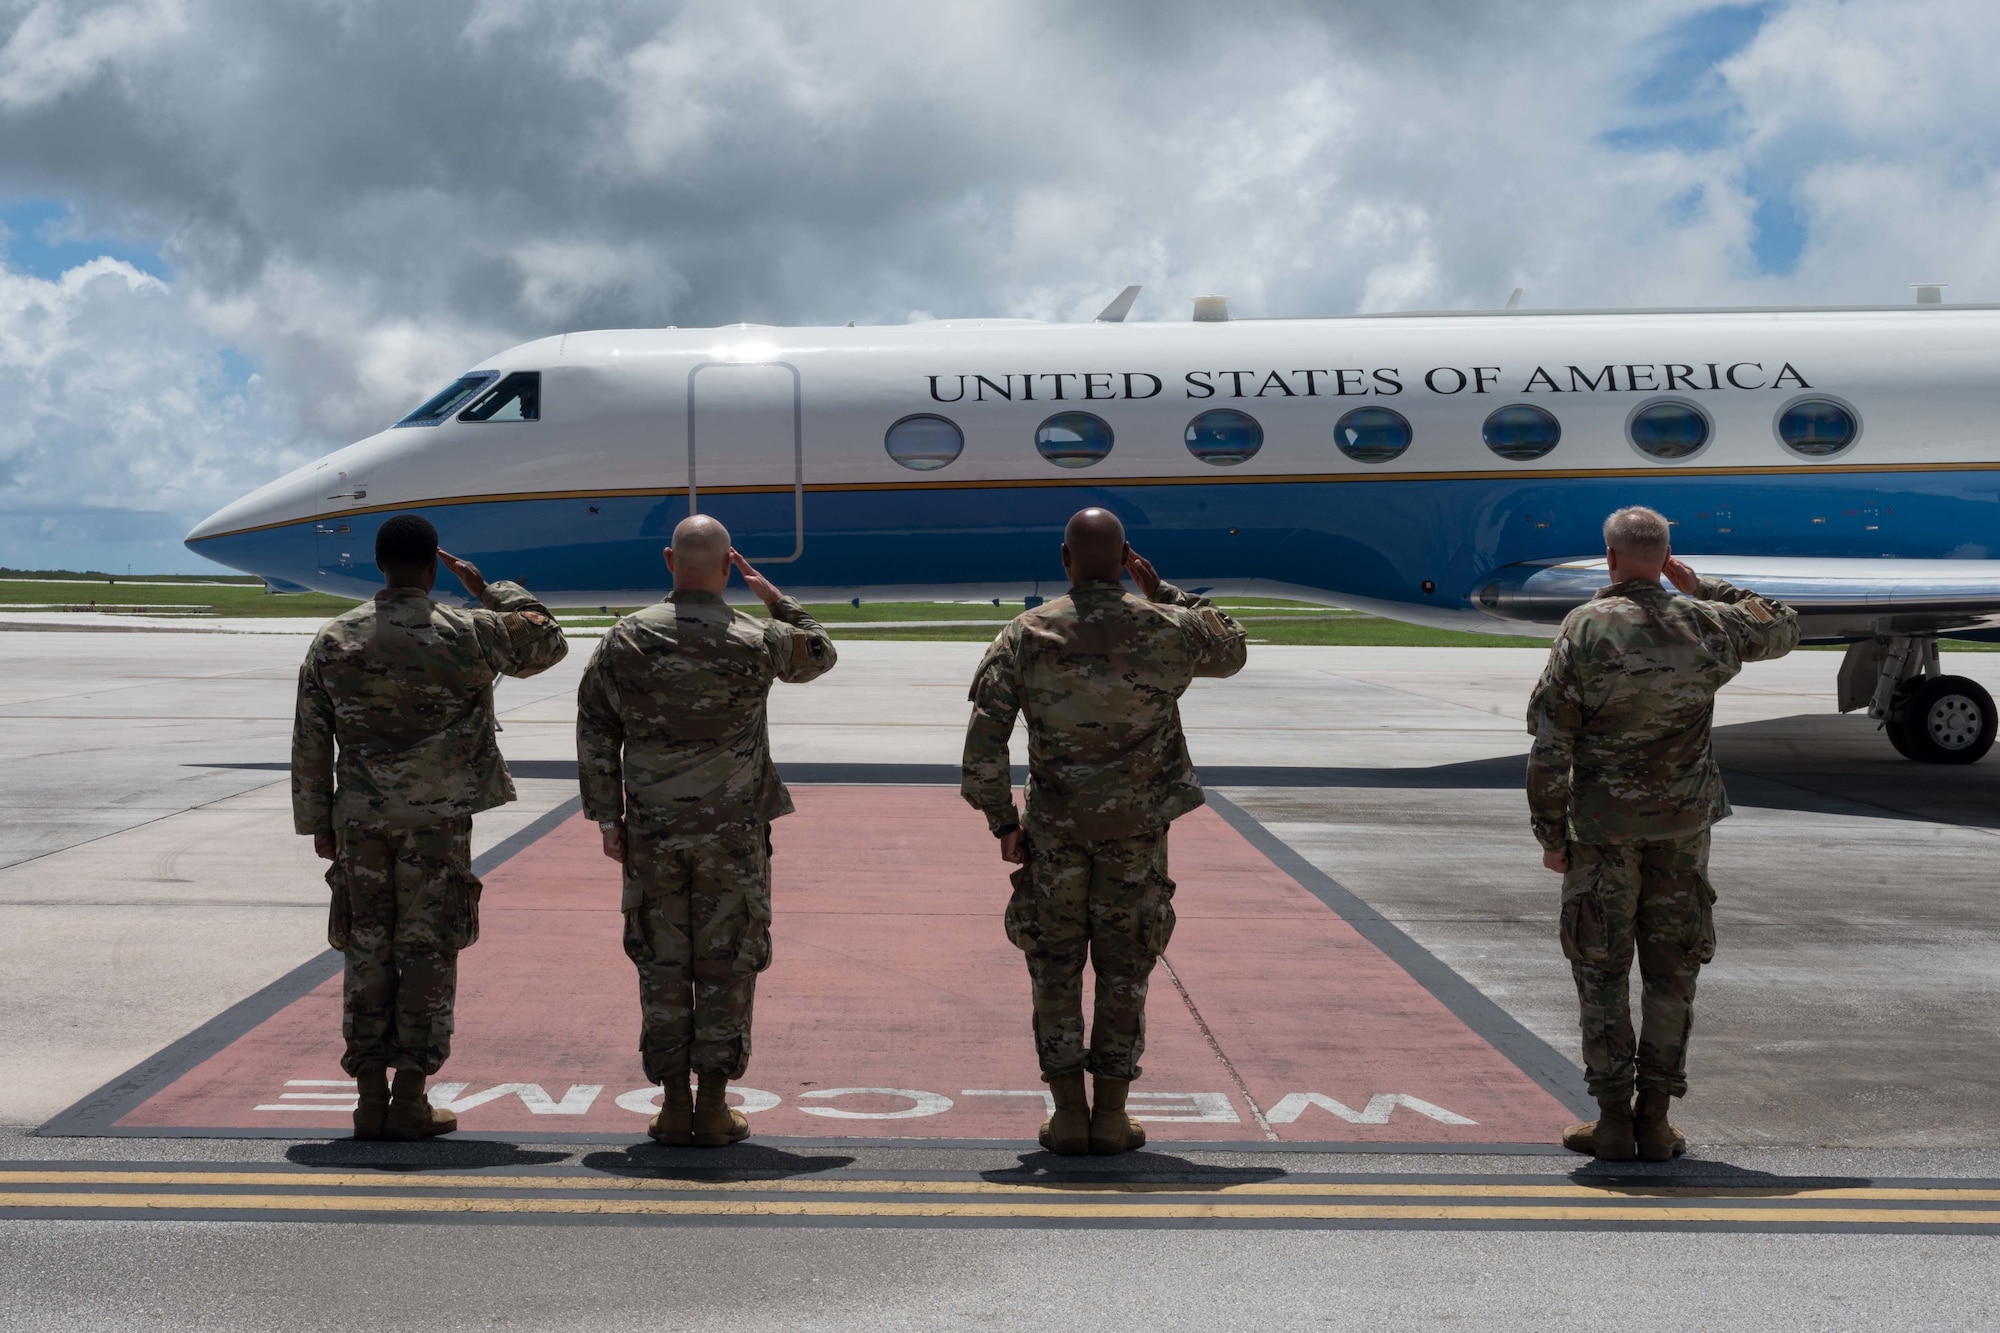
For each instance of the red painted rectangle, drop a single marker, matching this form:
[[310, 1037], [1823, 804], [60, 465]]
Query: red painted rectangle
[[895, 1006]]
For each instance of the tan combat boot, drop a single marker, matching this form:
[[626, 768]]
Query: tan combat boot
[[411, 1115], [1067, 1132], [674, 1125], [1111, 1130], [715, 1122], [1657, 1140], [373, 1107], [1607, 1138]]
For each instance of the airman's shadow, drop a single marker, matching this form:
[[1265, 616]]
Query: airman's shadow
[[1132, 1168], [1641, 1178], [423, 1155], [657, 1162]]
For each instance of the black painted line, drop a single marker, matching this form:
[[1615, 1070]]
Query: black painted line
[[519, 841], [97, 1115], [1500, 1029]]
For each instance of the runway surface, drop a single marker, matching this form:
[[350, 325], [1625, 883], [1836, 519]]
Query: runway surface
[[1365, 931]]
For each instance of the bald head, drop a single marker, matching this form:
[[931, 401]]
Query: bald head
[[699, 556], [1094, 546], [1636, 542]]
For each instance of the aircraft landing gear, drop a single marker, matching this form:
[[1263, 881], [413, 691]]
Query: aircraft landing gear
[[1943, 720], [1928, 716]]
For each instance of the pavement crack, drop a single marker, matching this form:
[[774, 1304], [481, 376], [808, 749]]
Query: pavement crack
[[1256, 1111]]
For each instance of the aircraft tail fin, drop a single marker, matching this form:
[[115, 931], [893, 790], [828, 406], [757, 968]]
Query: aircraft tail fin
[[1120, 306]]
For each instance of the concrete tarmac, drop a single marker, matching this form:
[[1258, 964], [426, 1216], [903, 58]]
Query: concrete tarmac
[[149, 880]]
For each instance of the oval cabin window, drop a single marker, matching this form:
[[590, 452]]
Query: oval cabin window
[[1669, 430], [1372, 434], [1073, 439], [1224, 437], [1817, 427], [1521, 433], [924, 442]]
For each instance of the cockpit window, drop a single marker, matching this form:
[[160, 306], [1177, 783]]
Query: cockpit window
[[516, 398], [453, 397]]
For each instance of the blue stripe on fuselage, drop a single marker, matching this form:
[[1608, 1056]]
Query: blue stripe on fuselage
[[1379, 540]]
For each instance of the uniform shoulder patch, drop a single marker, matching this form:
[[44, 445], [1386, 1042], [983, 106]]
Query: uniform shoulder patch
[[1757, 610]]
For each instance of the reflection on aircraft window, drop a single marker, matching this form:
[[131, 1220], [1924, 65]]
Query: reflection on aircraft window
[[516, 398], [924, 442], [1073, 439], [1372, 434], [1817, 427], [1521, 432], [450, 399], [1224, 437], [1669, 430]]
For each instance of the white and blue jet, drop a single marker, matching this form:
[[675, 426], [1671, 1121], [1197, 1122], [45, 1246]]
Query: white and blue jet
[[1447, 469]]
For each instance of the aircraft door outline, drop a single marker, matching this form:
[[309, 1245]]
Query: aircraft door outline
[[798, 462]]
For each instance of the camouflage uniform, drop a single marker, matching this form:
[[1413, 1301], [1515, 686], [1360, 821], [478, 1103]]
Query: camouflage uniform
[[403, 688], [1622, 774], [671, 739], [1099, 674]]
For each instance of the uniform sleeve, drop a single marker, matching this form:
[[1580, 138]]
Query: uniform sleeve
[[986, 773], [1761, 628], [801, 650], [1221, 646], [600, 741], [312, 751], [518, 635], [1555, 717]]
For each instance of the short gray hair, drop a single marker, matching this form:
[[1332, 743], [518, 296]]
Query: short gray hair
[[1638, 532]]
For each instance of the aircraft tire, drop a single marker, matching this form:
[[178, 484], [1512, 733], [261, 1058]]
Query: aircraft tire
[[1893, 728], [1948, 720]]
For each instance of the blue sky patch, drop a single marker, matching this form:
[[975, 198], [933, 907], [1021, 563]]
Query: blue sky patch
[[1780, 234], [43, 240], [1682, 102]]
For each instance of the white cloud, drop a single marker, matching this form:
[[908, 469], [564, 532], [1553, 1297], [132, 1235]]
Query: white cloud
[[50, 52], [365, 198], [117, 423]]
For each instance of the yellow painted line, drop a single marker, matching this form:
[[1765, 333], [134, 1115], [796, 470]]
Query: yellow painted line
[[1072, 482], [488, 1204], [1282, 1189]]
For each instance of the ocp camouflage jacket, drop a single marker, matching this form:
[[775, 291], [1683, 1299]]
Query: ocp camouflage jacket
[[1622, 714], [402, 688], [1099, 675], [670, 720]]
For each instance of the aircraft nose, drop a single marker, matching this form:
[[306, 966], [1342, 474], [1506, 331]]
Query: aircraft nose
[[267, 532]]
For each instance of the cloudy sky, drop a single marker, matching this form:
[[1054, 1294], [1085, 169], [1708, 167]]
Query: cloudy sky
[[237, 233]]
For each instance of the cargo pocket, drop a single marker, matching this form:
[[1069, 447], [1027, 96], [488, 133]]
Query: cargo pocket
[[462, 930], [340, 907], [753, 951], [1701, 942], [638, 941], [1024, 928], [1585, 937], [1157, 927]]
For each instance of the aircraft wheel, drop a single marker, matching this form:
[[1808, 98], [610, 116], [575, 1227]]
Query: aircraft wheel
[[1892, 727], [1948, 720]]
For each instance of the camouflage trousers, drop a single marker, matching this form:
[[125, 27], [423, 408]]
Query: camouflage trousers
[[698, 927], [1655, 897], [405, 901], [1109, 900]]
